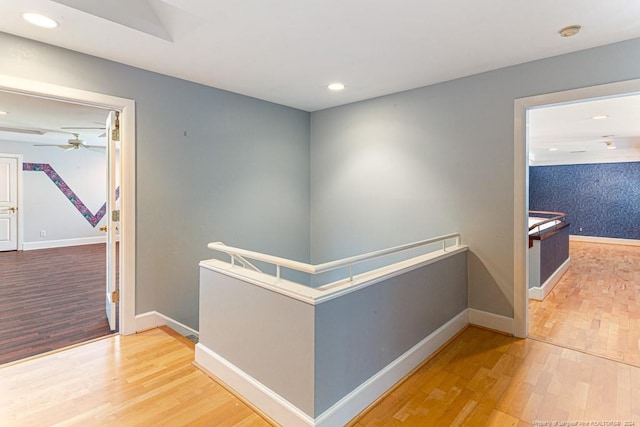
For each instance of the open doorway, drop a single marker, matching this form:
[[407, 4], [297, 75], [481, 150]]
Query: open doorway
[[559, 160], [103, 103], [584, 163], [55, 261]]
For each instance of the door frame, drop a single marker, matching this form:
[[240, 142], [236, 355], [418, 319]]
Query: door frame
[[127, 176], [521, 182], [20, 226]]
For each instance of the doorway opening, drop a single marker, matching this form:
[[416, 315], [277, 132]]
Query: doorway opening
[[93, 215], [523, 109]]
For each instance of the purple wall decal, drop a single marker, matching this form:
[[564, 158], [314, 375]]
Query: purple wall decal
[[68, 192]]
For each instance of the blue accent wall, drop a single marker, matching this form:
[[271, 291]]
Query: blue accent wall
[[603, 199]]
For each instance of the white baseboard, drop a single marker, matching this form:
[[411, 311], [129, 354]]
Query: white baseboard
[[271, 403], [608, 240], [48, 244], [540, 292], [285, 413], [355, 402], [491, 321], [153, 319]]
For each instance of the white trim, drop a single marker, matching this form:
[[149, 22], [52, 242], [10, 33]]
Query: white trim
[[127, 176], [491, 321], [285, 413], [606, 240], [153, 319], [315, 296], [19, 205], [271, 403], [540, 292], [367, 393], [520, 187], [48, 244]]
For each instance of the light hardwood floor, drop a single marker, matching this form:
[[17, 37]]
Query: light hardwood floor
[[596, 305], [484, 378], [140, 380], [481, 378]]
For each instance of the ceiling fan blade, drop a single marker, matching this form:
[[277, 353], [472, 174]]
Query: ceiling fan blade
[[83, 127]]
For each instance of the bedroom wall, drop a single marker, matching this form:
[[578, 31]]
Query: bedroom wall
[[46, 208], [601, 200], [211, 165], [439, 159]]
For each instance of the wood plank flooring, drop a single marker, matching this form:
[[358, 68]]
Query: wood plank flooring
[[596, 305], [146, 379], [50, 299], [481, 378], [484, 378]]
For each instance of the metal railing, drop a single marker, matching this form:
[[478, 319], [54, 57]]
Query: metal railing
[[239, 254], [558, 219]]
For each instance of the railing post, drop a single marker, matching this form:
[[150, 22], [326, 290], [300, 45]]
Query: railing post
[[351, 272], [277, 271]]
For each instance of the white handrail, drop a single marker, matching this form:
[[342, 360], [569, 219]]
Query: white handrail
[[332, 265]]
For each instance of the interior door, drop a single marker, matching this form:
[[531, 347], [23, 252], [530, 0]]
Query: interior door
[[8, 203], [113, 215]]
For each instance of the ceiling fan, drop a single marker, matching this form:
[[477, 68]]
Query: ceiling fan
[[72, 144], [87, 128]]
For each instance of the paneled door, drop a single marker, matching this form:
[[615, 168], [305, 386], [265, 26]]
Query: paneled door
[[113, 215], [8, 203]]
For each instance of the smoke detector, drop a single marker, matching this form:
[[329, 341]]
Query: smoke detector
[[569, 31]]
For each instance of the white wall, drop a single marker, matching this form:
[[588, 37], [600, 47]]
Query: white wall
[[45, 207]]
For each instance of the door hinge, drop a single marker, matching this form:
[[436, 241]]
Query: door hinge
[[115, 215], [115, 296]]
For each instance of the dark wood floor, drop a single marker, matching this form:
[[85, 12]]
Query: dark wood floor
[[50, 299]]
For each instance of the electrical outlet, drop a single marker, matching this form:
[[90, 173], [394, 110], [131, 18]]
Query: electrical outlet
[[580, 228], [43, 233]]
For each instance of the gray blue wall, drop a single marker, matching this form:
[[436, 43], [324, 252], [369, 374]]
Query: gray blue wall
[[600, 200], [385, 171], [241, 175], [439, 159], [359, 334]]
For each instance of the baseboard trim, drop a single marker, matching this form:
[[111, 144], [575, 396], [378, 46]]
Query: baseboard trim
[[491, 321], [49, 244], [540, 292], [607, 240], [285, 413], [271, 403], [153, 319], [359, 399]]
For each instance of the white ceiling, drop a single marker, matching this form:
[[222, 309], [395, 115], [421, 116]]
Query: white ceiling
[[573, 134], [46, 118], [287, 51]]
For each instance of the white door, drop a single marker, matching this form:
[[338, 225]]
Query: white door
[[8, 203], [113, 213]]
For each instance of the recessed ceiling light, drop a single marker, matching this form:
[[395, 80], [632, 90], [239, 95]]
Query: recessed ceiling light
[[604, 116], [553, 149], [610, 145], [39, 20], [336, 86], [3, 113], [569, 31]]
